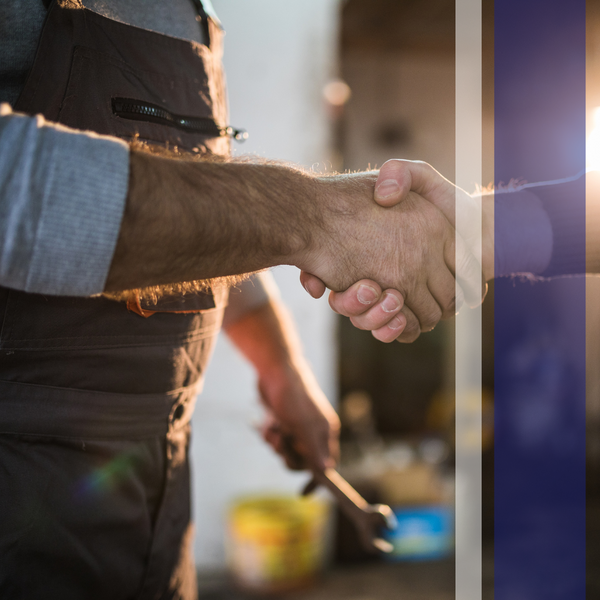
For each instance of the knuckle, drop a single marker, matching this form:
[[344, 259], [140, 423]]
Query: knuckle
[[370, 321], [378, 320], [425, 165], [353, 309]]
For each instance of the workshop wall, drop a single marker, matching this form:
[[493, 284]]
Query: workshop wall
[[278, 57]]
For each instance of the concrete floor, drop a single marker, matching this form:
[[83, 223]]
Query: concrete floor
[[367, 581]]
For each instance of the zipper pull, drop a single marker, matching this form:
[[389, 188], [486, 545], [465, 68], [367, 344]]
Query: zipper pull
[[239, 135]]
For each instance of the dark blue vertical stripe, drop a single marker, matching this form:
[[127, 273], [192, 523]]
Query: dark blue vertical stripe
[[540, 328]]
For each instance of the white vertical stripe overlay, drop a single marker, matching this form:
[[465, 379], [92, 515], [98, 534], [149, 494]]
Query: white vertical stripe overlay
[[468, 322]]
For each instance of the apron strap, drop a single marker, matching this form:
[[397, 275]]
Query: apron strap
[[200, 9], [203, 20]]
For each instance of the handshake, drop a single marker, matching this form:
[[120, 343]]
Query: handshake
[[386, 243], [394, 270]]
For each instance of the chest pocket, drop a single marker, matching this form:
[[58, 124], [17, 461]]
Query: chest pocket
[[109, 96]]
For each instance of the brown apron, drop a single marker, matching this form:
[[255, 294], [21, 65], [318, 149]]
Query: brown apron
[[96, 400]]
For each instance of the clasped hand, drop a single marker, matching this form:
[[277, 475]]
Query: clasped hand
[[392, 268]]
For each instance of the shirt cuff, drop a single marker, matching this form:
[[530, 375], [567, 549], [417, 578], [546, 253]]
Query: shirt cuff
[[564, 202], [523, 235]]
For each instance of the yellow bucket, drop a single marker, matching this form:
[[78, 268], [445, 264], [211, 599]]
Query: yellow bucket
[[276, 543]]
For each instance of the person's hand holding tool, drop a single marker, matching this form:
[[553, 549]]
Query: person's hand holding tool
[[297, 407], [301, 424], [369, 519]]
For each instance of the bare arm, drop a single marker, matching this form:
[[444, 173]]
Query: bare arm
[[189, 220], [268, 338]]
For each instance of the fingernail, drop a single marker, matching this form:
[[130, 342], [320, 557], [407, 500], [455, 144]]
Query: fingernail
[[390, 303], [387, 189], [366, 294], [396, 323]]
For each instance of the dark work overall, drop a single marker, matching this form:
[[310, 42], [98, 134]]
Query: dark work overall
[[96, 400]]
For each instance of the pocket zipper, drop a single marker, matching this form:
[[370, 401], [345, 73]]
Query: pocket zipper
[[136, 110]]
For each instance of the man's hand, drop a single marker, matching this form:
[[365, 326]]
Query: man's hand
[[367, 306], [426, 259], [516, 233], [409, 247], [372, 310], [303, 426]]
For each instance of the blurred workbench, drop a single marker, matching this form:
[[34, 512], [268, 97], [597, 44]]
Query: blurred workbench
[[368, 581]]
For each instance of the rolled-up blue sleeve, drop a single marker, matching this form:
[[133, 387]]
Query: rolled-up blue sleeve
[[62, 197]]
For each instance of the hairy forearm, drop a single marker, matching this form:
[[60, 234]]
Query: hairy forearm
[[197, 220], [267, 337]]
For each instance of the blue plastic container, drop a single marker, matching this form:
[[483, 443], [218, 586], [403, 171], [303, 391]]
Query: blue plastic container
[[423, 533]]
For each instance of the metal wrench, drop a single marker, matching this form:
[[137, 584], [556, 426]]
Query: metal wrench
[[367, 518]]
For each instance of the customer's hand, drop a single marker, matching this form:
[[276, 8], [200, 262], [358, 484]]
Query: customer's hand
[[301, 426], [509, 227], [459, 207]]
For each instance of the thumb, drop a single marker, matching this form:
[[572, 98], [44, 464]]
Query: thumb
[[393, 183], [312, 284], [417, 176]]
